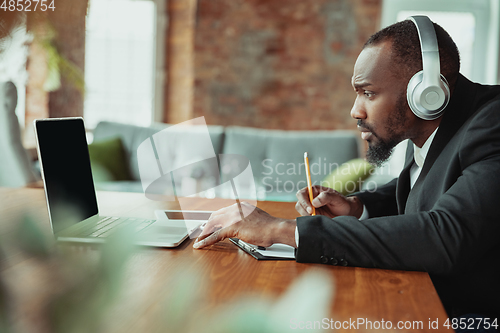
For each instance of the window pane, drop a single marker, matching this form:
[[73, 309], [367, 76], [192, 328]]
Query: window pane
[[460, 25], [119, 62]]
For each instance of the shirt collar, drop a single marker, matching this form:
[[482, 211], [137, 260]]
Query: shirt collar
[[419, 154]]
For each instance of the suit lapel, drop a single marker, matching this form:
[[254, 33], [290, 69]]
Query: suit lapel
[[454, 117], [457, 113]]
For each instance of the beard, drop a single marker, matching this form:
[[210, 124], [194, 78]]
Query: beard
[[379, 153], [380, 150]]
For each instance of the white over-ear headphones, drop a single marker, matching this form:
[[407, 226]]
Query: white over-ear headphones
[[428, 93]]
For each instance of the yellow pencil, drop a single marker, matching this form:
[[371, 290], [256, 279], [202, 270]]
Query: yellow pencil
[[309, 184]]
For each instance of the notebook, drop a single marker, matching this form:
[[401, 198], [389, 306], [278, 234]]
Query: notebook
[[274, 252], [70, 192]]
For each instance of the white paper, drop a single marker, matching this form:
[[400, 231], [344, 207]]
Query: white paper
[[278, 250]]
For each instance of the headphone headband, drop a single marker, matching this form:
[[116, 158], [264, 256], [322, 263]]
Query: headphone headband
[[426, 32], [430, 51]]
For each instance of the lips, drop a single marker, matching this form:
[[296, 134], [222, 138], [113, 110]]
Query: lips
[[365, 133]]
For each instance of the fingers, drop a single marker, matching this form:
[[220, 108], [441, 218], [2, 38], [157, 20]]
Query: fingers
[[258, 228], [215, 237], [303, 206], [223, 218], [330, 197], [220, 219], [321, 199], [330, 201], [210, 227], [317, 189]]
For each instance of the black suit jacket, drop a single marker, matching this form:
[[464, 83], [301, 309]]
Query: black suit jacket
[[448, 225]]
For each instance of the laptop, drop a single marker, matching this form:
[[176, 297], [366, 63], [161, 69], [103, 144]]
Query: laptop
[[70, 192]]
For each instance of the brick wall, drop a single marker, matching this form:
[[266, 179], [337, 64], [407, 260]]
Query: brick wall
[[179, 85], [68, 25], [283, 64]]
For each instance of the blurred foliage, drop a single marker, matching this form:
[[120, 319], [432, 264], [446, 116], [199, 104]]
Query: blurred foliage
[[57, 64], [80, 288], [40, 26], [31, 240], [81, 304]]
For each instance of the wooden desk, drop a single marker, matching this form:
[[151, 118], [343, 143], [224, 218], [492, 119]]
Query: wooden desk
[[228, 273]]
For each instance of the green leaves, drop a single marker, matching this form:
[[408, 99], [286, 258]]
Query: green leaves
[[49, 287], [31, 240]]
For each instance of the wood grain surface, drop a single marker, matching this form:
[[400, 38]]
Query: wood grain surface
[[225, 274]]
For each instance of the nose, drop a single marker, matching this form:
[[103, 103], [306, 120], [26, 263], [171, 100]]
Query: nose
[[358, 110]]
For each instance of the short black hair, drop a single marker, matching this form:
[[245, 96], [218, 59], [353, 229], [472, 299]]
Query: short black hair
[[407, 52]]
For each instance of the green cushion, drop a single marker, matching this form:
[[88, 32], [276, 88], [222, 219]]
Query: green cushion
[[108, 160], [347, 178]]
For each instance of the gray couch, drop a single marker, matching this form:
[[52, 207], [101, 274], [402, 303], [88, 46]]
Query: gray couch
[[276, 157]]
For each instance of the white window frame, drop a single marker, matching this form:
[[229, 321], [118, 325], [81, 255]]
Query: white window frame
[[159, 60], [485, 63], [161, 25]]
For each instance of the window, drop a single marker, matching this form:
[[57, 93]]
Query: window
[[461, 27], [120, 62], [473, 25]]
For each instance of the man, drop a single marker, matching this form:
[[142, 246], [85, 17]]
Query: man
[[439, 216]]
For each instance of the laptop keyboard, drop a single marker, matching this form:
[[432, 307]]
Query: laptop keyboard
[[108, 225]]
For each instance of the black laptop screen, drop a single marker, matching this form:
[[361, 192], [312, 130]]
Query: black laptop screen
[[66, 169]]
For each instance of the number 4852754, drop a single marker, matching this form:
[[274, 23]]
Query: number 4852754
[[27, 5], [471, 323]]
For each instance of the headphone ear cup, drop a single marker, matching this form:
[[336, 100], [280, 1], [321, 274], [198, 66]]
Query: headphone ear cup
[[411, 93], [414, 93]]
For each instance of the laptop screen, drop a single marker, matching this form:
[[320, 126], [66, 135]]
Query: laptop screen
[[66, 169]]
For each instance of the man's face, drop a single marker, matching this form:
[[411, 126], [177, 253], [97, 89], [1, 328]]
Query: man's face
[[383, 115]]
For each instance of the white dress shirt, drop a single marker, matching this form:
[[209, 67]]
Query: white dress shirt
[[419, 155]]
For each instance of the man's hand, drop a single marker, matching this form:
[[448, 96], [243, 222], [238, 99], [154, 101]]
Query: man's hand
[[327, 202], [257, 228]]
